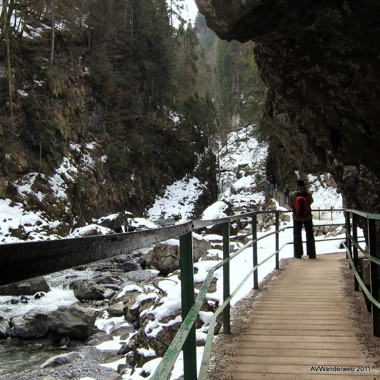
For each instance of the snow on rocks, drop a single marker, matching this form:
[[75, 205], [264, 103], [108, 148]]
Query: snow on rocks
[[90, 230], [243, 170], [215, 211], [178, 201], [325, 194], [18, 224]]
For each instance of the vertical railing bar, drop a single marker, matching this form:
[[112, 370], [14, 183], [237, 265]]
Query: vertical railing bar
[[277, 240], [346, 216], [375, 281], [254, 251], [226, 278], [187, 300], [349, 242], [355, 249]]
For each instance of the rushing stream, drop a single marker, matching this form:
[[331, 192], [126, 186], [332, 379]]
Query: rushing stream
[[20, 354], [17, 354]]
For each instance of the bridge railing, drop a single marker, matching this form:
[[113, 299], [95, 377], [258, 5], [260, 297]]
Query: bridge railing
[[367, 277], [185, 337], [19, 261]]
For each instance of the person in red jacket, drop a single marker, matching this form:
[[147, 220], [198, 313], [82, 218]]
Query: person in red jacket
[[300, 202]]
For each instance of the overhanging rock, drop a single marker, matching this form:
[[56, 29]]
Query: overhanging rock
[[320, 61]]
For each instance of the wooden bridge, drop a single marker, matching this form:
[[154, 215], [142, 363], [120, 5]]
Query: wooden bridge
[[300, 329]]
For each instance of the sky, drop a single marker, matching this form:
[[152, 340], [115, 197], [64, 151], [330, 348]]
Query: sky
[[191, 9]]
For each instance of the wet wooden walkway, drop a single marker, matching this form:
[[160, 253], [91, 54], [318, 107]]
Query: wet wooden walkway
[[300, 329]]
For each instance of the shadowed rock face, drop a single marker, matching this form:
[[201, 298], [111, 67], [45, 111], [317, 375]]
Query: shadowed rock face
[[321, 63]]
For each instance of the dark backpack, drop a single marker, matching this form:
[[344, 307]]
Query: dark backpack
[[302, 205]]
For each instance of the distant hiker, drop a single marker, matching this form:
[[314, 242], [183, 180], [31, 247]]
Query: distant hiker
[[272, 184], [286, 194], [300, 202]]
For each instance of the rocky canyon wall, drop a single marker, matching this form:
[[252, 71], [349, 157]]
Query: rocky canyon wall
[[321, 63]]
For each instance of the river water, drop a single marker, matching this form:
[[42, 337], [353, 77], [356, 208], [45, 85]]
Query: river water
[[17, 355]]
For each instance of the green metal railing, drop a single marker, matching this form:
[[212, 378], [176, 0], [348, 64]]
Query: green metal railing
[[371, 226], [185, 333]]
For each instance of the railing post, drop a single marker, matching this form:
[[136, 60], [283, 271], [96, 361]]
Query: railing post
[[187, 296], [277, 240], [355, 249], [254, 249], [348, 232], [375, 280], [226, 278], [319, 213], [331, 212]]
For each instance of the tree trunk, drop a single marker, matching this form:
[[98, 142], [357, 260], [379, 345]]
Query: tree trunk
[[9, 69], [40, 164], [52, 31]]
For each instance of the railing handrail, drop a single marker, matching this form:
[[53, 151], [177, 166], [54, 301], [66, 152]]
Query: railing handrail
[[43, 257], [367, 215], [165, 367], [363, 251], [363, 287], [373, 255]]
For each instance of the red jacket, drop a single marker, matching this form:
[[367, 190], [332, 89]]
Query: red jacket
[[293, 204]]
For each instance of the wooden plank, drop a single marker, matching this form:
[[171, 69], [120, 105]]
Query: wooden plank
[[301, 321], [296, 369], [299, 306], [354, 353], [314, 326], [267, 315], [300, 332], [301, 313], [297, 345], [309, 299], [291, 338], [304, 376], [289, 297], [302, 360]]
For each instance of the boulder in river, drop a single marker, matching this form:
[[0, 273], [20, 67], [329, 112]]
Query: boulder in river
[[87, 290], [25, 288], [166, 255], [72, 321], [32, 325], [4, 327], [58, 360]]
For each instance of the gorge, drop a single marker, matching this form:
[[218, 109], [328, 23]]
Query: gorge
[[320, 62]]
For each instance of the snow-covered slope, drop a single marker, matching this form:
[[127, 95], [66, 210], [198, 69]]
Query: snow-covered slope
[[178, 201], [242, 186], [242, 178]]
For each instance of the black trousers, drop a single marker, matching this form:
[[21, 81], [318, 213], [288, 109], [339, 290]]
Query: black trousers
[[297, 234]]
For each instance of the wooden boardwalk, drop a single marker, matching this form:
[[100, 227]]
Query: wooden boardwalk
[[300, 329]]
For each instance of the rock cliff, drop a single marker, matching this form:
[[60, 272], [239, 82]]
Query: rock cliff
[[320, 62]]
